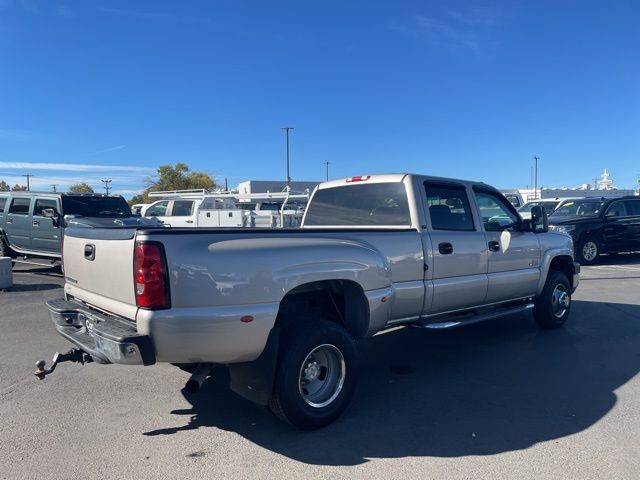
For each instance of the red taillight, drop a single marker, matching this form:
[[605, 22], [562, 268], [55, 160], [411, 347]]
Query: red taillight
[[360, 178], [150, 276]]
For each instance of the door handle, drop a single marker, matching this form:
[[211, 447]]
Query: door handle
[[188, 221], [9, 220], [494, 246], [36, 223], [445, 248], [90, 252]]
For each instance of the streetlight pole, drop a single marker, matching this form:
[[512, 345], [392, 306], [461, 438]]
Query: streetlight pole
[[535, 188], [106, 182], [286, 131], [326, 170]]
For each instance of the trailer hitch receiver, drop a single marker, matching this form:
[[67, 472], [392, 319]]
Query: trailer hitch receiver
[[74, 355]]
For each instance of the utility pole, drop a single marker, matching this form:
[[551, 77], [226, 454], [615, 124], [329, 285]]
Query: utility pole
[[286, 130], [535, 188], [226, 185], [106, 182], [54, 185], [326, 170], [28, 175]]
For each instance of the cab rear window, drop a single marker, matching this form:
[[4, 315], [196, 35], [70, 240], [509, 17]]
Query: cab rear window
[[3, 200], [375, 204]]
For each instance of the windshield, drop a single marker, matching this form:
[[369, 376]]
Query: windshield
[[579, 208], [548, 206], [107, 207]]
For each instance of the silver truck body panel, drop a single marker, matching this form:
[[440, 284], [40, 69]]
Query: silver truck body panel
[[107, 279], [218, 276], [208, 334]]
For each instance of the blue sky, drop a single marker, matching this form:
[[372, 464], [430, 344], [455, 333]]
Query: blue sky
[[90, 89]]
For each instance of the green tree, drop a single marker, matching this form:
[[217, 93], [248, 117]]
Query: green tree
[[175, 177], [18, 188], [4, 186], [82, 187]]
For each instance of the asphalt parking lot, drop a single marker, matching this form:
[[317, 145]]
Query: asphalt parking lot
[[496, 400]]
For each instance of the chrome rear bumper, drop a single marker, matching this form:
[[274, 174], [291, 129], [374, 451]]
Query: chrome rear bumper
[[108, 339]]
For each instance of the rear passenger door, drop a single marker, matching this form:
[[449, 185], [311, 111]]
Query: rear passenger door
[[618, 224], [45, 236], [632, 233], [459, 264], [181, 214], [18, 222], [514, 255]]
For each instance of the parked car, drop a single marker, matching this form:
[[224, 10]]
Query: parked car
[[283, 308], [549, 204], [599, 225], [224, 210], [32, 223], [514, 198]]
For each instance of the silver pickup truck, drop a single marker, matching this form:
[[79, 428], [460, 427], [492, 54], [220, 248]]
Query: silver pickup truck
[[283, 309]]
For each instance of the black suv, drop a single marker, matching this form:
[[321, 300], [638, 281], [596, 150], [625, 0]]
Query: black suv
[[599, 225]]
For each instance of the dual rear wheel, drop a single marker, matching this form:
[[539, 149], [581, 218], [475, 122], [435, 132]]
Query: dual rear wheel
[[316, 377]]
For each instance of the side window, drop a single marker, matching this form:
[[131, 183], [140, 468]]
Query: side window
[[157, 210], [495, 213], [182, 208], [633, 207], [42, 203], [448, 207], [3, 200], [616, 209], [20, 206]]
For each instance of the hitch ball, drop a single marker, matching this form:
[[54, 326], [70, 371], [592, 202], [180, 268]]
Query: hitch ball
[[40, 371]]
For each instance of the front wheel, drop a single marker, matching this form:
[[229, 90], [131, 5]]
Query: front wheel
[[316, 376], [5, 250], [552, 307], [588, 251]]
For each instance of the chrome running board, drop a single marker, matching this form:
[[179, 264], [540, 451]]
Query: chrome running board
[[471, 318]]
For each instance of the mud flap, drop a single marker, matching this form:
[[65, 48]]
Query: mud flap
[[254, 380]]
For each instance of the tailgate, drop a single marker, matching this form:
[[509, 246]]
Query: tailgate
[[98, 268]]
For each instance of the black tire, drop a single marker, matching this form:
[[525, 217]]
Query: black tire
[[551, 309], [291, 401], [585, 252], [5, 250]]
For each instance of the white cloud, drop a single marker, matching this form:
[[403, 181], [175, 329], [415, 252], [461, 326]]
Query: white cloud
[[75, 167]]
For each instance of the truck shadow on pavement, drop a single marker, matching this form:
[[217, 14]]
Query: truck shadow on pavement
[[485, 389], [32, 287]]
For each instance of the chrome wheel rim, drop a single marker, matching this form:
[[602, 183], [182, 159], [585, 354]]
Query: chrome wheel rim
[[560, 301], [590, 251], [321, 376]]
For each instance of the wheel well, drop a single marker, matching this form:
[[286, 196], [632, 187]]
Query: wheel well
[[342, 301], [564, 264]]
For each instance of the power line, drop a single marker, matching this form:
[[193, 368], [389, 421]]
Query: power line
[[106, 182], [535, 188], [326, 169], [28, 175]]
